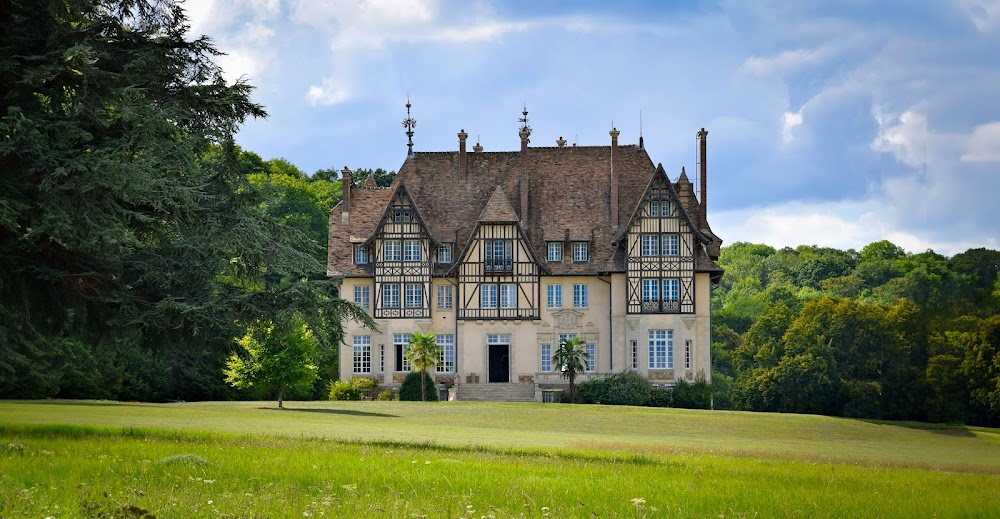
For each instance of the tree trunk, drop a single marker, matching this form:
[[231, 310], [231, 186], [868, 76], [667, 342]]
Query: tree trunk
[[281, 390], [423, 386], [572, 376]]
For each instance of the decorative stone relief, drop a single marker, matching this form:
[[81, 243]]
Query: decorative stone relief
[[688, 321], [526, 379], [661, 375], [632, 322], [567, 318]]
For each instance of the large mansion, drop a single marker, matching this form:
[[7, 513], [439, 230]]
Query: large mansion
[[504, 254]]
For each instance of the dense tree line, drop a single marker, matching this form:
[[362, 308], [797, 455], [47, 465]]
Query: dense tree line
[[139, 246], [876, 333]]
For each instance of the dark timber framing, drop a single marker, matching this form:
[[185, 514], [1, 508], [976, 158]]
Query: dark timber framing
[[511, 263], [402, 232]]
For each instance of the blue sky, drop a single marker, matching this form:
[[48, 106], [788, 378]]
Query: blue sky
[[830, 123]]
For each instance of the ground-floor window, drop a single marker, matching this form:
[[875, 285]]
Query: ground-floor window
[[687, 354], [362, 353], [661, 349], [591, 350], [446, 360], [546, 358], [401, 341]]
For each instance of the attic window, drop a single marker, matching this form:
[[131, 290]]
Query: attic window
[[659, 208], [360, 255], [401, 216], [444, 253], [581, 252], [554, 251]]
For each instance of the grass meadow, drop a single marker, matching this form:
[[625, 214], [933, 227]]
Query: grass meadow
[[467, 459]]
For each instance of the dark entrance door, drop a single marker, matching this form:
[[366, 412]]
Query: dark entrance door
[[499, 362]]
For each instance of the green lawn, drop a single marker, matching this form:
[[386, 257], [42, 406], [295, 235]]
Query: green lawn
[[464, 459]]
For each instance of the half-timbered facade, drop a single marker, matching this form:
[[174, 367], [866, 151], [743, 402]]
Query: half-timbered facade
[[502, 255]]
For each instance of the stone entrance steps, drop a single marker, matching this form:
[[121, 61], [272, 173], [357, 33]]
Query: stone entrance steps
[[496, 392]]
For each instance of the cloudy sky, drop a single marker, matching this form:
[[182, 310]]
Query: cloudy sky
[[830, 123]]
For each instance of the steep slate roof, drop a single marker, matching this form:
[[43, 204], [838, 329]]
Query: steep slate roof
[[568, 195]]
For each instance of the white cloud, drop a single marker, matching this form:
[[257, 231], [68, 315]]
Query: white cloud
[[985, 14], [381, 16], [789, 120], [983, 144], [787, 61], [257, 33], [330, 92], [905, 137]]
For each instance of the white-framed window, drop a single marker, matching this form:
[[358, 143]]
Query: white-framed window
[[363, 296], [546, 358], [444, 253], [508, 295], [671, 245], [555, 251], [654, 208], [360, 254], [687, 354], [362, 353], [402, 216], [391, 250], [487, 296], [650, 244], [498, 254], [411, 250], [671, 290], [446, 360], [581, 252], [563, 337], [554, 293], [498, 338], [650, 289], [390, 295], [444, 299], [414, 295], [661, 349], [581, 296], [401, 342], [591, 350]]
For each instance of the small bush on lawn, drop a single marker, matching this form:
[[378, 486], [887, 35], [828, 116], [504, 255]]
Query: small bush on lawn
[[366, 386], [410, 390], [628, 388], [693, 395], [386, 395], [341, 390], [660, 397], [595, 391]]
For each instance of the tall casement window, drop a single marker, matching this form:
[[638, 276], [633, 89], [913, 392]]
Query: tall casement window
[[581, 252], [498, 255], [401, 341], [650, 245], [581, 296], [391, 250], [671, 245], [554, 296], [390, 295], [488, 296], [446, 359], [360, 254], [411, 250], [414, 295], [362, 354], [661, 349], [591, 350], [650, 290], [444, 298], [545, 355], [671, 290], [363, 296], [554, 251], [444, 253], [508, 295]]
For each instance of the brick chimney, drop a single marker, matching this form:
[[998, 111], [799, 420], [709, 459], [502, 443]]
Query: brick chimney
[[462, 164], [703, 174], [523, 164], [347, 182], [614, 176]]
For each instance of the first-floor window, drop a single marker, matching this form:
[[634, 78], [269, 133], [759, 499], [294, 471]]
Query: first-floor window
[[671, 289], [591, 350], [444, 297], [661, 349], [446, 360], [554, 293], [414, 295], [546, 353], [390, 295], [488, 296], [362, 353], [362, 296], [402, 342], [650, 289], [580, 296], [508, 296]]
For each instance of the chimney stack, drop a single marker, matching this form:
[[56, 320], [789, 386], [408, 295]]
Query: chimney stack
[[347, 182], [614, 176], [703, 174], [462, 164], [478, 148], [561, 142]]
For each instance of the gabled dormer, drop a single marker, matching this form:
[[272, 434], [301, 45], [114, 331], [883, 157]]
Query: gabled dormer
[[660, 240], [498, 274], [401, 250]]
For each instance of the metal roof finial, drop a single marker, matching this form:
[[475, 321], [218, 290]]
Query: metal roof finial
[[409, 123], [524, 122]]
